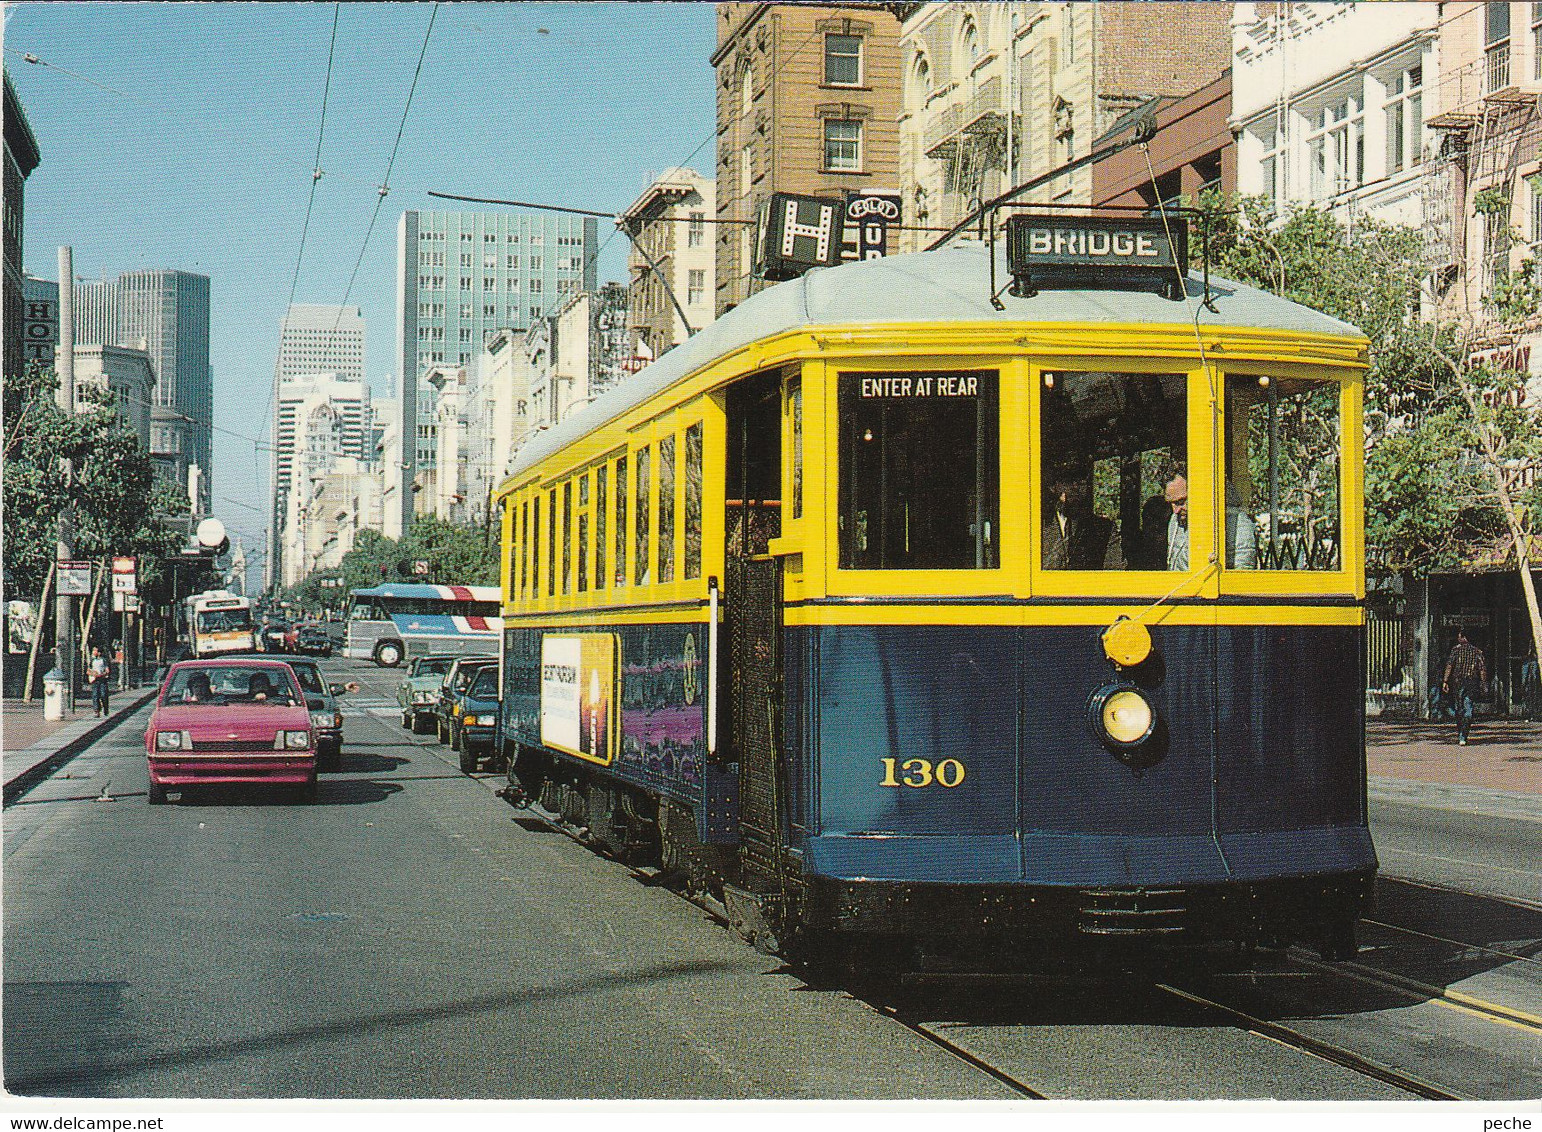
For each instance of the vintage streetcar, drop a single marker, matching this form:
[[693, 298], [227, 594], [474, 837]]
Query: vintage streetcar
[[964, 611]]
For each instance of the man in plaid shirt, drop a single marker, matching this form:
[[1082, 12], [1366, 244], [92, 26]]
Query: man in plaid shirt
[[1465, 676]]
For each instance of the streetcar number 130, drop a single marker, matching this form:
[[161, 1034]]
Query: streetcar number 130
[[917, 773]]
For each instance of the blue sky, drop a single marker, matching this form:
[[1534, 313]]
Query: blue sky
[[199, 156]]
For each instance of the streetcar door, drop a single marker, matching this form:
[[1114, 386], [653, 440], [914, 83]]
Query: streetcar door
[[752, 609]]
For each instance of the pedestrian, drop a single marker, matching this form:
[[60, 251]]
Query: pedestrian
[[99, 676], [1465, 677]]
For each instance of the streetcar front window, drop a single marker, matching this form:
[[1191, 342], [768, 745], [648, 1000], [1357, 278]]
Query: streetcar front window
[[1283, 441], [919, 458], [1113, 470]]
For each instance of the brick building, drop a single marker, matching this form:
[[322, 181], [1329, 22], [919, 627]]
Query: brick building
[[808, 98]]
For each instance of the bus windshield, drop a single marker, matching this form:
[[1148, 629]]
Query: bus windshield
[[225, 621]]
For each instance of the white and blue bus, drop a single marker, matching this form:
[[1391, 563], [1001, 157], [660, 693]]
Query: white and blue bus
[[389, 623]]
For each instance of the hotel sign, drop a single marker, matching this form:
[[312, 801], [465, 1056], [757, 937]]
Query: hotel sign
[[797, 233], [1098, 253]]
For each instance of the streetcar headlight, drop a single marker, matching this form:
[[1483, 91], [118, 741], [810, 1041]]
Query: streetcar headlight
[[168, 740], [1122, 716]]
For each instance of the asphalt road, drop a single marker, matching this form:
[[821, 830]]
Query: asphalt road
[[412, 936]]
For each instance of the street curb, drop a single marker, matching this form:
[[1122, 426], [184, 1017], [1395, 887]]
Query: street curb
[[27, 779]]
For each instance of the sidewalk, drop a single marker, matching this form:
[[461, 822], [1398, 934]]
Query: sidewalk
[[1501, 754], [35, 747]]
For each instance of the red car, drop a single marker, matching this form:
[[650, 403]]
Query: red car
[[242, 720]]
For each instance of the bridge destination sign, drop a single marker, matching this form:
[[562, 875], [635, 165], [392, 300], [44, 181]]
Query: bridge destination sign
[[1098, 253]]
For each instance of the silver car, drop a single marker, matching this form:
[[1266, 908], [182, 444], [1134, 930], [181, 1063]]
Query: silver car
[[326, 716]]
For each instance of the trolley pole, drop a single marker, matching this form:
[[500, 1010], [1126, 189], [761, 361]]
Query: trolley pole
[[64, 607]]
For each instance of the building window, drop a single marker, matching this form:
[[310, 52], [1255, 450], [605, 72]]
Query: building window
[[1405, 119], [465, 259], [746, 167], [843, 145], [489, 284], [535, 263], [843, 60], [693, 236], [466, 237], [1496, 44], [513, 263], [489, 262], [1336, 147], [1536, 40], [696, 287], [490, 238], [489, 312], [465, 283], [1065, 128], [1272, 165], [535, 286], [1069, 44]]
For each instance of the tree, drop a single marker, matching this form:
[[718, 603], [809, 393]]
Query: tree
[[1452, 448], [455, 554], [114, 499]]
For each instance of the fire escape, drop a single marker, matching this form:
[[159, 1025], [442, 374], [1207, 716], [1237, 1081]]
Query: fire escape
[[1493, 126], [970, 139]]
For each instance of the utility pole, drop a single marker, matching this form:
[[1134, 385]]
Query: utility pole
[[64, 607]]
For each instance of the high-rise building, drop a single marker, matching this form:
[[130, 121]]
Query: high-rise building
[[807, 101], [320, 418], [461, 276], [315, 338], [164, 312]]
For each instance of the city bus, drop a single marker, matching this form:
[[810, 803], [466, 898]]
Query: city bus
[[389, 623], [218, 622]]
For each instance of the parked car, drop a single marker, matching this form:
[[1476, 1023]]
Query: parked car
[[456, 680], [419, 690], [326, 716], [473, 728], [230, 721], [313, 640]]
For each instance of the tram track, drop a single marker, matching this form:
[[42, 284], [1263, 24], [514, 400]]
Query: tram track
[[1316, 1047]]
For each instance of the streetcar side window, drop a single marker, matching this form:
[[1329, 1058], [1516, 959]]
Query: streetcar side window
[[644, 573], [1283, 440], [919, 470], [551, 544], [599, 526], [524, 545], [583, 533], [1113, 471], [535, 547], [620, 574], [567, 537], [693, 483], [667, 509]]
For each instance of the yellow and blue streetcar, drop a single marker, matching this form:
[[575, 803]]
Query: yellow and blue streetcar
[[899, 606]]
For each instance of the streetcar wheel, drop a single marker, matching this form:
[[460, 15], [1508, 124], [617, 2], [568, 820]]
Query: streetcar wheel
[[388, 654]]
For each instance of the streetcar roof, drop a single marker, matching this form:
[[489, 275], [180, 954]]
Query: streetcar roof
[[950, 285]]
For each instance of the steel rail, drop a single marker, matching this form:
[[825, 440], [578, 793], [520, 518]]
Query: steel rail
[[1295, 1039]]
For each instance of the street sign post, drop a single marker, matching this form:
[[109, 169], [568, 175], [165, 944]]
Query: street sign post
[[74, 579], [125, 576]]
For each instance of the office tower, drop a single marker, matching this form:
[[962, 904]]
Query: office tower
[[315, 338], [461, 276], [164, 312]]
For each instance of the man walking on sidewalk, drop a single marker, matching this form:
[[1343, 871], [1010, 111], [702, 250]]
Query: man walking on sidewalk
[[99, 676], [1465, 677]]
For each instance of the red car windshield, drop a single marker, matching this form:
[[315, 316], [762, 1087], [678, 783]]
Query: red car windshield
[[217, 685]]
